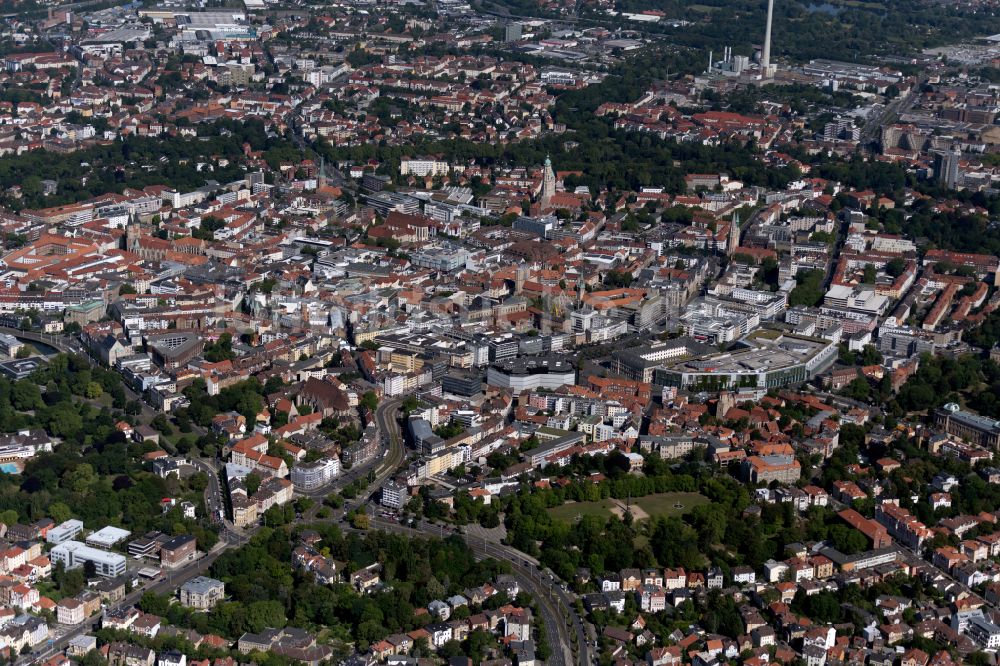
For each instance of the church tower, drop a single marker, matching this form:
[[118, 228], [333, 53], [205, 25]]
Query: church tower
[[133, 232], [733, 241], [548, 185], [520, 277]]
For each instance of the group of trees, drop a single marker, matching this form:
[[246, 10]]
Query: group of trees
[[207, 227], [164, 161], [987, 334], [809, 288], [219, 350], [609, 544], [265, 591], [869, 355], [956, 230], [882, 177], [468, 510], [342, 433], [800, 98], [23, 405], [938, 380], [449, 430], [802, 31], [246, 397], [103, 483], [953, 229]]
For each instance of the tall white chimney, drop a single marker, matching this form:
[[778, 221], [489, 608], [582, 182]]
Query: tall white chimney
[[765, 60]]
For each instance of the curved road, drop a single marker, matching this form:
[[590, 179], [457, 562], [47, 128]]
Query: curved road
[[548, 593], [385, 422], [554, 616]]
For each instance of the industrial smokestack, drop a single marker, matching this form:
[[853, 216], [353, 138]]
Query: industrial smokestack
[[765, 60]]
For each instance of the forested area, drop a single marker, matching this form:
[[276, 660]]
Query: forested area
[[49, 399], [882, 177]]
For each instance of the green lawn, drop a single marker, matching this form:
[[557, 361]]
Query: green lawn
[[572, 511], [662, 504], [670, 504]]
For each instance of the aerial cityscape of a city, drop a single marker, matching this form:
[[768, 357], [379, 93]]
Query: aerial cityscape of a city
[[500, 332]]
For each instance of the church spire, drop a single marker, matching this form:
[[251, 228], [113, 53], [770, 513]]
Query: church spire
[[548, 184], [733, 241]]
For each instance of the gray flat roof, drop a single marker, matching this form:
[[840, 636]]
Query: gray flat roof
[[201, 584]]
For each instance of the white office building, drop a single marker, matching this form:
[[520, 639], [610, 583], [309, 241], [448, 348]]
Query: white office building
[[107, 537], [9, 345], [73, 554], [63, 532], [528, 374], [309, 476], [395, 495], [423, 166], [856, 299]]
